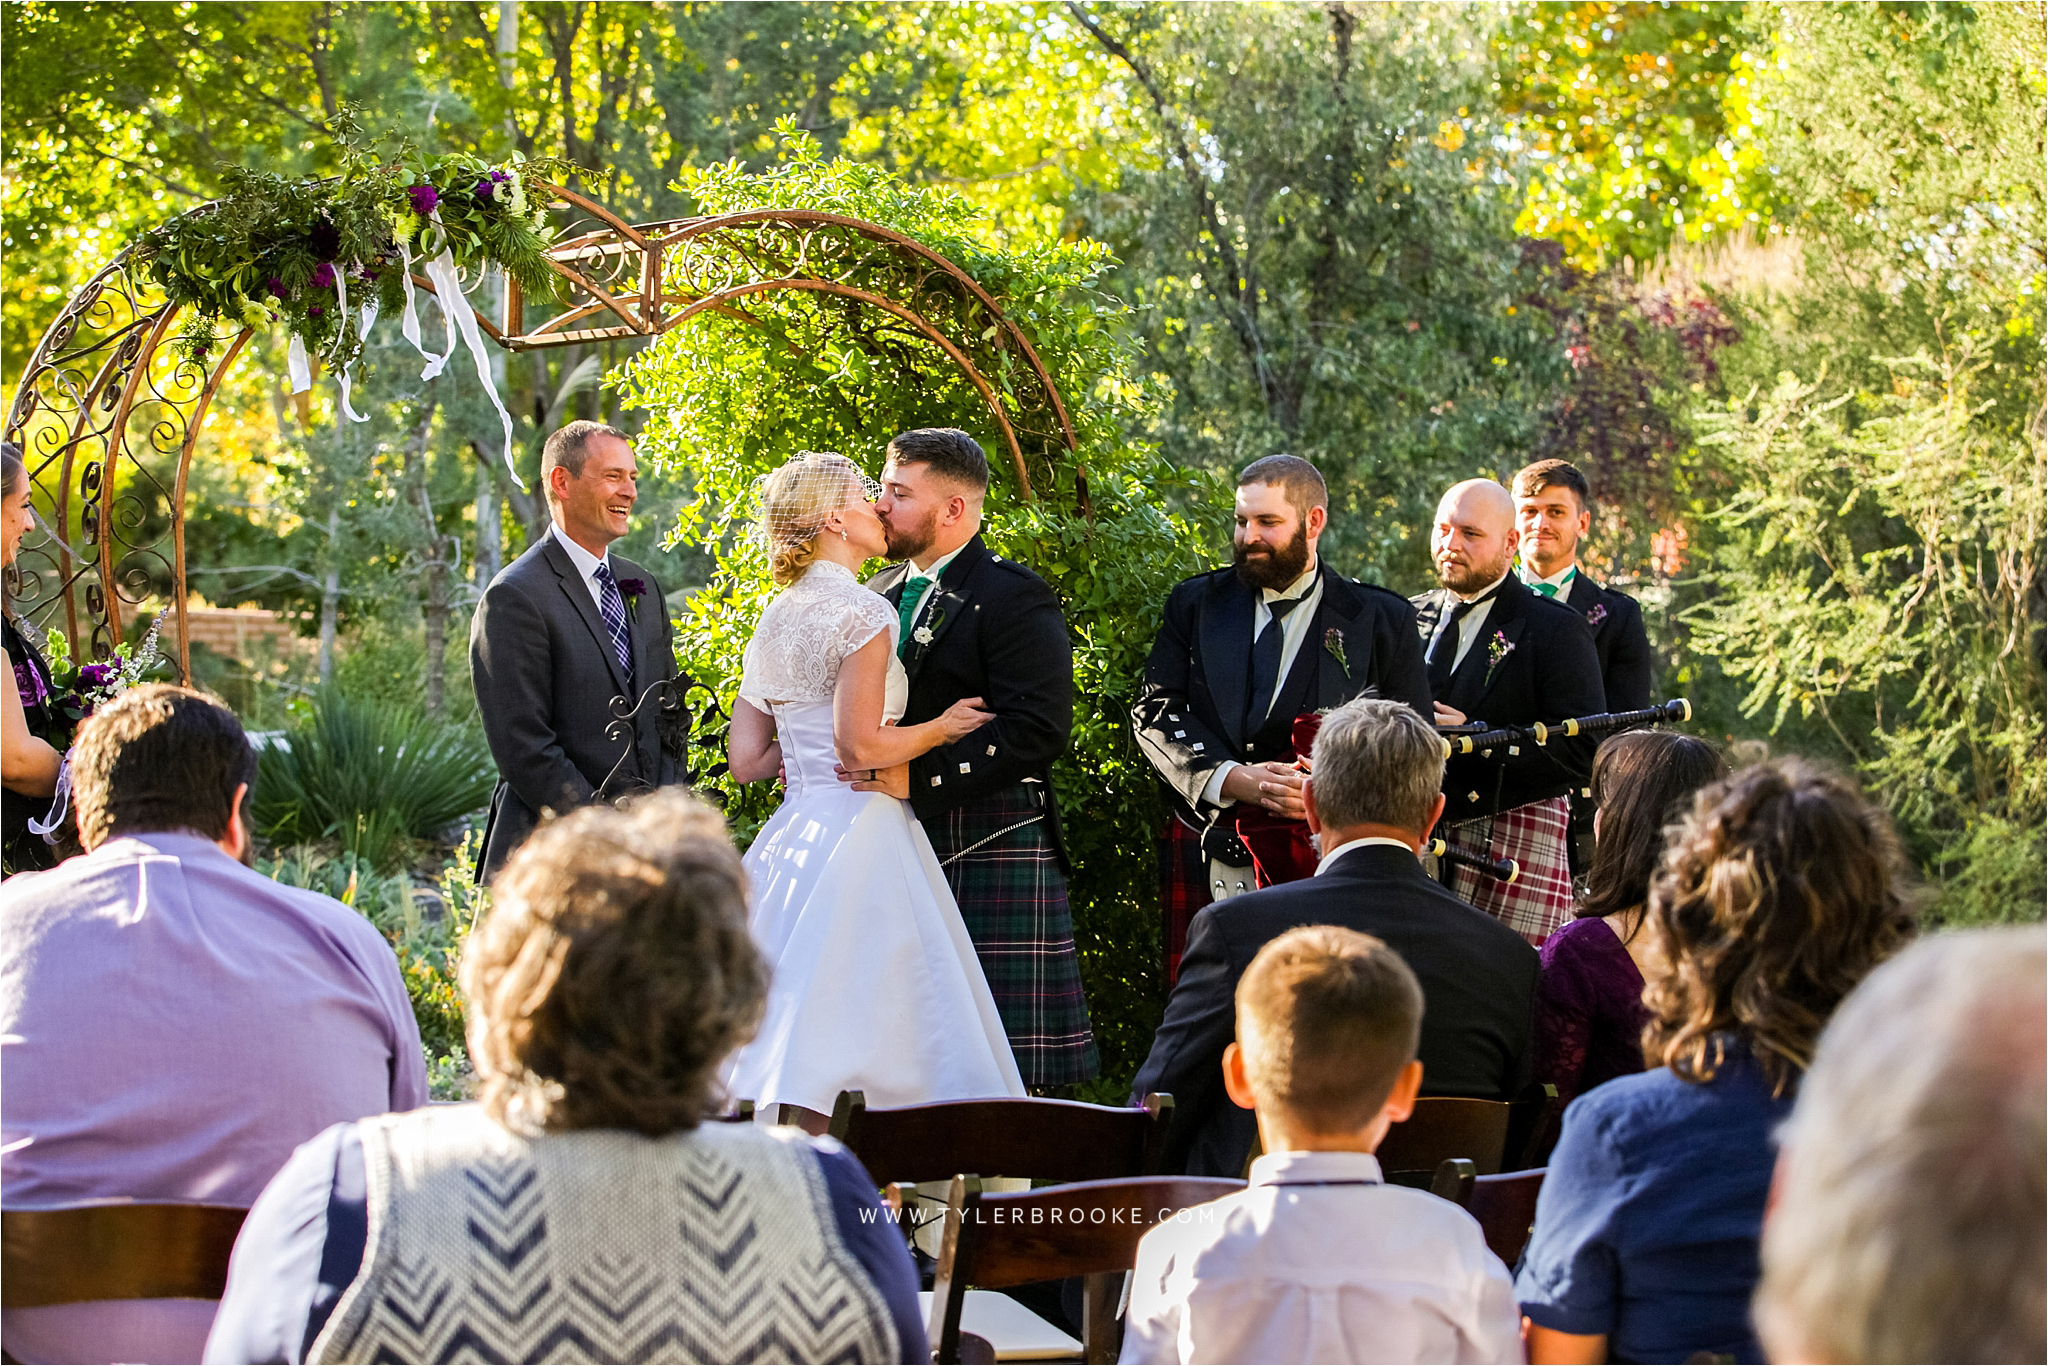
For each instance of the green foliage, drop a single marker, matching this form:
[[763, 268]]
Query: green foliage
[[370, 778], [1635, 117], [733, 399], [1882, 575], [1321, 255]]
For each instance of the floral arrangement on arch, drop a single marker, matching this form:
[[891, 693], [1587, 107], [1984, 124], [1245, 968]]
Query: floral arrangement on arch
[[311, 254]]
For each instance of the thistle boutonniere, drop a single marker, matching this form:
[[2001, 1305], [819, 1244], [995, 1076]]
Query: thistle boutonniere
[[632, 589], [1333, 641], [1596, 614], [1498, 648]]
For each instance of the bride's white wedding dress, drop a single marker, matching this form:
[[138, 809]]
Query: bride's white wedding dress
[[876, 986]]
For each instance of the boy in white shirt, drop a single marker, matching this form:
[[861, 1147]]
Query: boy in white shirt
[[1319, 1260]]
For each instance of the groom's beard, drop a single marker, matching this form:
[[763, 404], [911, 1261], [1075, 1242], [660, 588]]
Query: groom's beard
[[1273, 568], [909, 543]]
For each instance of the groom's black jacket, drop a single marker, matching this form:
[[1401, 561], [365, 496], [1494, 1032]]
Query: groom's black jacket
[[997, 633], [1191, 707]]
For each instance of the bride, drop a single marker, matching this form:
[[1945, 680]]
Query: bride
[[876, 985]]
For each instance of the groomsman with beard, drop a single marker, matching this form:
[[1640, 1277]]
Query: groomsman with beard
[[977, 625], [1241, 653], [1553, 512], [1503, 654]]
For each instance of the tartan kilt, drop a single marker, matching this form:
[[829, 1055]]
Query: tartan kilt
[[1013, 899], [1537, 837], [1183, 888]]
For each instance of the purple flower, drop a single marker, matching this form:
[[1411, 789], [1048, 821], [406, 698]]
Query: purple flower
[[29, 684], [485, 187], [324, 239], [1596, 614], [632, 588], [316, 310], [96, 675], [323, 276], [424, 198], [276, 286]]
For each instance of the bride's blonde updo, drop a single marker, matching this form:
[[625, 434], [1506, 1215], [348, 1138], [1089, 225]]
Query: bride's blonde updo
[[796, 500]]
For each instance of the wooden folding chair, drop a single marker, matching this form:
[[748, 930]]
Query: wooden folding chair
[[116, 1252], [1441, 1127], [1504, 1205], [1061, 1140], [1088, 1229]]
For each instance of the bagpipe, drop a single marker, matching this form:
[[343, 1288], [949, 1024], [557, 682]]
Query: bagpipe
[[1280, 846]]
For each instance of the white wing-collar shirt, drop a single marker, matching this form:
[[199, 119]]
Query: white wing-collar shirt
[[1319, 1260], [586, 564], [1294, 629], [1470, 627]]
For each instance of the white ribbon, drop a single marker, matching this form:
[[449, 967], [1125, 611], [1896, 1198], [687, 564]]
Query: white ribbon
[[448, 288], [409, 325], [60, 805], [296, 364], [369, 321]]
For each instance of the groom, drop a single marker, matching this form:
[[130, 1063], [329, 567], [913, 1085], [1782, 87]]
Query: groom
[[977, 625]]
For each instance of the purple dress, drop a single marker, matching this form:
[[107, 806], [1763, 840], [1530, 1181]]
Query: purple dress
[[1589, 1010]]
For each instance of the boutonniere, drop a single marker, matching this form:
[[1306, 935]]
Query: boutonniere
[[1497, 649], [923, 634], [632, 589], [1333, 641], [1596, 614]]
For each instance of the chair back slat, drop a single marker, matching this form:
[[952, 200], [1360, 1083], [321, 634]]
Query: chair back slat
[[1062, 1140], [1087, 1229], [1505, 1206], [1441, 1127], [116, 1252]]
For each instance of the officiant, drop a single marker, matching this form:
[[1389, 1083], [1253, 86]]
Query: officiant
[[1245, 653]]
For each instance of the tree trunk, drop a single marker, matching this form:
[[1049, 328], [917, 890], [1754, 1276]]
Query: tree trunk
[[435, 610], [490, 529], [330, 593]]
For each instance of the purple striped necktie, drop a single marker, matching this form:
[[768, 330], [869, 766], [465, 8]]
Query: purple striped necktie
[[611, 605]]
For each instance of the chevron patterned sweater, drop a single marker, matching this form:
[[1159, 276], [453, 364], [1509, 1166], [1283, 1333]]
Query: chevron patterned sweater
[[714, 1245]]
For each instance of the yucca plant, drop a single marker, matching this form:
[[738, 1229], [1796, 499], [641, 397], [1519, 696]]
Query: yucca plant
[[370, 777]]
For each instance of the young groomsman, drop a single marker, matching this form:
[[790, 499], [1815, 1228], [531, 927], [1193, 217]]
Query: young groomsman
[[1553, 512]]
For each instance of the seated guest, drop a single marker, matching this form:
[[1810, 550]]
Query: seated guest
[[1376, 790], [1589, 1003], [1776, 896], [1908, 1223], [173, 1023], [1319, 1259], [583, 1207]]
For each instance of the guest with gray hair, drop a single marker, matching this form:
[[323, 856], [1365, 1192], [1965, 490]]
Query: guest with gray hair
[[1909, 1219], [1375, 791]]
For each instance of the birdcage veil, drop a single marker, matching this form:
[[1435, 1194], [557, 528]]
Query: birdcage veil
[[797, 497]]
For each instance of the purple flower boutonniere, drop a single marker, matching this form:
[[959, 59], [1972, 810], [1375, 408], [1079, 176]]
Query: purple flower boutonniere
[[1498, 648], [632, 588], [1333, 641], [1596, 614]]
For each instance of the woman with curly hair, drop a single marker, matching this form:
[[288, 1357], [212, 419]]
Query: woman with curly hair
[[1777, 894], [583, 1209]]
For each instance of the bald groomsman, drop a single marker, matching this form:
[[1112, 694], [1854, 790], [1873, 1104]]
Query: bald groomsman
[[1553, 513], [1502, 654]]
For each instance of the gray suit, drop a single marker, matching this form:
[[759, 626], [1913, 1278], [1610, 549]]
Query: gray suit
[[545, 679]]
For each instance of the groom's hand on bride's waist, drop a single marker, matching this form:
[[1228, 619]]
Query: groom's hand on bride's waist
[[894, 781]]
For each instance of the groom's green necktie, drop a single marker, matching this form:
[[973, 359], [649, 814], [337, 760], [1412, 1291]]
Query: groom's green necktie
[[906, 611]]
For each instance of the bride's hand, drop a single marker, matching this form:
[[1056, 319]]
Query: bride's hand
[[963, 718]]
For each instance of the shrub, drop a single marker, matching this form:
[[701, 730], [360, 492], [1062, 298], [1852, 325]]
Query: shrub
[[370, 778]]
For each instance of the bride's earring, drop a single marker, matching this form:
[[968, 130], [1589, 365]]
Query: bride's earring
[[842, 534]]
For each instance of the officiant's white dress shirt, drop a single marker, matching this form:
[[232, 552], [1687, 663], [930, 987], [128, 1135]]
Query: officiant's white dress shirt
[[1317, 1260], [586, 564]]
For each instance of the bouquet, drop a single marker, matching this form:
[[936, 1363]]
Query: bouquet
[[78, 690]]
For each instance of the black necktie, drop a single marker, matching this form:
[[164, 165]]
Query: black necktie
[[1445, 654], [1266, 663]]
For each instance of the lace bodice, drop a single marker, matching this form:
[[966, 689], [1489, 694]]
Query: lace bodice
[[808, 631]]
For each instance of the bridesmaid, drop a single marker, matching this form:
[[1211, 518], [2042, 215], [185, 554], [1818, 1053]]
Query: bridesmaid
[[28, 715], [1589, 1000]]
